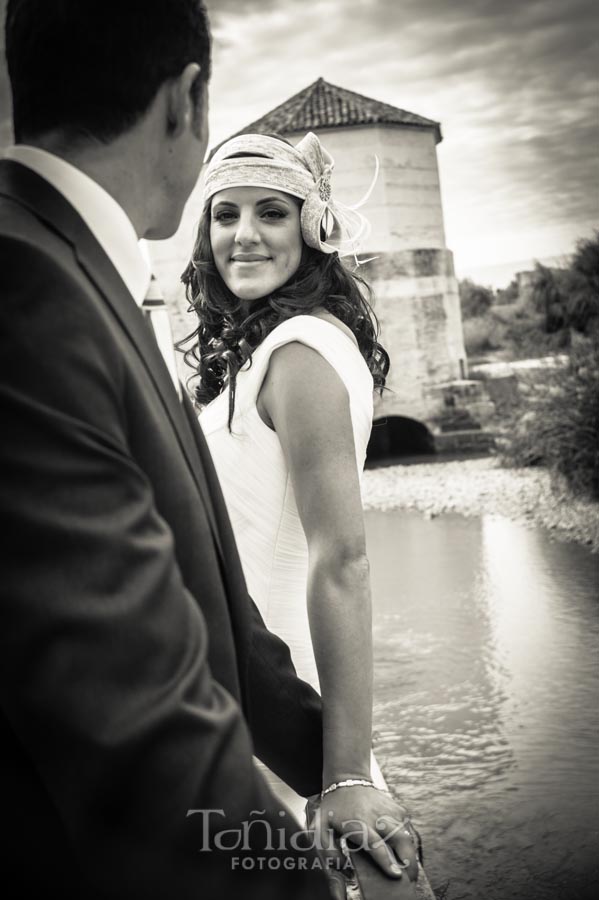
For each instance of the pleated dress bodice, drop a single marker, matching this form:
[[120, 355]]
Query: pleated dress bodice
[[257, 487]]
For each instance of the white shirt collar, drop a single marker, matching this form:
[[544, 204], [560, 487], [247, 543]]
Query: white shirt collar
[[105, 218]]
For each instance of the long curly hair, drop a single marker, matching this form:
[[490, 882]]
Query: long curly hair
[[227, 335]]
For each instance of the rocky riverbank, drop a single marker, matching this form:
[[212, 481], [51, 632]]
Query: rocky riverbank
[[483, 487]]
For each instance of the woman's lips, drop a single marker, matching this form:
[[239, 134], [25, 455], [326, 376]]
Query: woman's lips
[[250, 258]]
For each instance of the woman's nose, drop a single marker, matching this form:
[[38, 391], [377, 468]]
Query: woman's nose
[[247, 230]]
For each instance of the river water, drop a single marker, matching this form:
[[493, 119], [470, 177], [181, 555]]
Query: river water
[[486, 701]]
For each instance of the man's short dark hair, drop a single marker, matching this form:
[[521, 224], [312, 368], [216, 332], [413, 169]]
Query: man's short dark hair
[[91, 68]]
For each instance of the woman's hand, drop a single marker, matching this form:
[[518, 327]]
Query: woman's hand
[[369, 820]]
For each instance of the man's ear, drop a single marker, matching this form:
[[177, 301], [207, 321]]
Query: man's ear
[[182, 99]]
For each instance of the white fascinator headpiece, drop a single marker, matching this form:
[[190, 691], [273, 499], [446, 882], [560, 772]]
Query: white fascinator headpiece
[[304, 171]]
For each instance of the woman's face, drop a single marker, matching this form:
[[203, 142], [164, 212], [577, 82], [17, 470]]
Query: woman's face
[[256, 239]]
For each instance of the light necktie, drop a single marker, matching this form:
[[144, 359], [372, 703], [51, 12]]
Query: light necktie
[[155, 311]]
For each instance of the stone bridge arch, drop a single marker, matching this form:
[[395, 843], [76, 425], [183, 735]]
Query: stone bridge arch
[[396, 436]]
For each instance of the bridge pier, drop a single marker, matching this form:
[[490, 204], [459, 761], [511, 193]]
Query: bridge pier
[[418, 308]]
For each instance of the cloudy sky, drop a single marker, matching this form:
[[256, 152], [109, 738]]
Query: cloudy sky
[[514, 84]]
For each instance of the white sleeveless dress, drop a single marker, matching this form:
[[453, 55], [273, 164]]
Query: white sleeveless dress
[[257, 488]]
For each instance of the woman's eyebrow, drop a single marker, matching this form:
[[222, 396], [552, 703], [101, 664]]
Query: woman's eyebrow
[[224, 203], [272, 200]]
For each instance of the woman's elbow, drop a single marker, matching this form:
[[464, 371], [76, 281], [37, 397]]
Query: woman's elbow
[[347, 558]]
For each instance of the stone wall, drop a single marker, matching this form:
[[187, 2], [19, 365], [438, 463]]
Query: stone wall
[[418, 308]]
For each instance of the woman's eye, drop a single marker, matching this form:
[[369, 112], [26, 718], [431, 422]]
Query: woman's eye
[[274, 214], [224, 216]]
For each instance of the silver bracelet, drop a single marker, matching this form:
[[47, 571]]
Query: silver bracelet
[[349, 782]]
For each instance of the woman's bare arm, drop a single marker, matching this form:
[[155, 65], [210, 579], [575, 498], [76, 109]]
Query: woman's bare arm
[[308, 406]]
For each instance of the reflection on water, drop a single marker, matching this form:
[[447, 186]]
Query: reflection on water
[[486, 709]]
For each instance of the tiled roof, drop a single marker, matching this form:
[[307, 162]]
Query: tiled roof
[[324, 105]]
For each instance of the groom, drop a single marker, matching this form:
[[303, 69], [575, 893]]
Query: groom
[[136, 678]]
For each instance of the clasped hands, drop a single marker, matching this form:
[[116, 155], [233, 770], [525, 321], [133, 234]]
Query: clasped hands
[[362, 818]]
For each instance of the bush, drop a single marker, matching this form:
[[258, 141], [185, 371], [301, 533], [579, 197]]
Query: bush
[[482, 334], [526, 338], [557, 426], [507, 295], [475, 299]]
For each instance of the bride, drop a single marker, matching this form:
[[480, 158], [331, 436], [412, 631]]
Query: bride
[[288, 357]]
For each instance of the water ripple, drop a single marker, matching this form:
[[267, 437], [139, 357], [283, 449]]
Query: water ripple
[[486, 718]]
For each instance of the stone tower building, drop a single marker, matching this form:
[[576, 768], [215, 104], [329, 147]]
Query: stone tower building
[[416, 292]]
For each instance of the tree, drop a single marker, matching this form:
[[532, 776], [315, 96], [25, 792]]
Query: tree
[[583, 286], [548, 298], [569, 297]]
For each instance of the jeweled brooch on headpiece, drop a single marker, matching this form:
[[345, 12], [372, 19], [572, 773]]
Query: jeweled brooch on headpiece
[[324, 187]]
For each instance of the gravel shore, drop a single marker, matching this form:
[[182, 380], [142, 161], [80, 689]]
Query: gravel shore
[[483, 487]]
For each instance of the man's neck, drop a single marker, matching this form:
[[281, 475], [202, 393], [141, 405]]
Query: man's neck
[[116, 167]]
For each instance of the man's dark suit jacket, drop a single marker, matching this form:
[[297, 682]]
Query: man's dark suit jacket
[[136, 676]]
